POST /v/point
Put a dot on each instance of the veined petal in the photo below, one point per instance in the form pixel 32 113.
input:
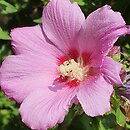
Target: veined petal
pixel 32 40
pixel 111 70
pixel 128 29
pixel 62 21
pixel 22 74
pixel 44 108
pixel 94 96
pixel 100 31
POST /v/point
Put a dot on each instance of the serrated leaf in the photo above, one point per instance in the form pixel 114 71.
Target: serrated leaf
pixel 7 8
pixel 4 35
pixel 120 117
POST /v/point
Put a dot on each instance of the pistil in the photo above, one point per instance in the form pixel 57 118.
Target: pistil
pixel 72 69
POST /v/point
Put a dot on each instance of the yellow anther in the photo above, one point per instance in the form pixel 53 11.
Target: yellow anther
pixel 72 69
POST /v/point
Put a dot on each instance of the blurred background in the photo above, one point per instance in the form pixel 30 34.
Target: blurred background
pixel 20 13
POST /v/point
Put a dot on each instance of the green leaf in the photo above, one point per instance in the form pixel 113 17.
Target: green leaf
pixel 7 8
pixel 120 117
pixel 80 2
pixel 128 126
pixel 115 101
pixel 54 128
pixel 44 1
pixel 4 35
pixel 4 52
pixel 116 57
pixel 38 21
pixel 101 126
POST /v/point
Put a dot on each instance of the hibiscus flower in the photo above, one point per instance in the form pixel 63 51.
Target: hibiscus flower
pixel 63 61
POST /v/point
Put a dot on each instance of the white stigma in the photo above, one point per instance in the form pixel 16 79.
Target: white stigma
pixel 71 69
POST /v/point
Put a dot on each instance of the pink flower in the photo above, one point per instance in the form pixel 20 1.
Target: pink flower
pixel 63 61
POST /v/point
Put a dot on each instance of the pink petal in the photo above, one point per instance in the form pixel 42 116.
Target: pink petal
pixel 44 108
pixel 100 31
pixel 22 74
pixel 111 70
pixel 128 29
pixel 62 21
pixel 94 96
pixel 32 40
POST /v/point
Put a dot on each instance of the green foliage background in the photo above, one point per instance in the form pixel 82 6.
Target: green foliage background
pixel 19 13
